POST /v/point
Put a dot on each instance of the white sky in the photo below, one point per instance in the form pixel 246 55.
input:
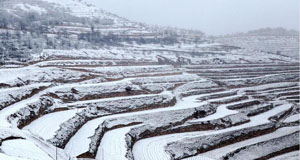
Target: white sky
pixel 211 16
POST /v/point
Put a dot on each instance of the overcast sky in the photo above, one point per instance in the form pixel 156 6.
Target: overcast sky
pixel 211 16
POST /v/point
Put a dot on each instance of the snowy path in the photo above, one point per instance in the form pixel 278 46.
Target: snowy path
pixel 79 143
pixel 7 157
pixel 10 74
pixel 113 145
pixel 153 148
pixel 46 125
pixel 292 118
pixel 24 149
pixel 50 149
pixel 142 153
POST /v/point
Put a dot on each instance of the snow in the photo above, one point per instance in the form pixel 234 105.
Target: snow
pixel 246 69
pixel 222 111
pixel 113 145
pixel 24 148
pixel 168 79
pixel 79 143
pixel 132 71
pixel 220 152
pixel 199 158
pixel 46 125
pixel 146 153
pixel 263 79
pixel 223 94
pixel 7 157
pixel 144 55
pixel 86 63
pixel 35 74
pixel 52 151
pixel 292 118
pixel 290 156
pixel 287 44
pixel 95 110
pixel 82 9
pixel 16 107
pixel 12 74
pixel 258 150
pixel 237 65
pixel 68 86
pixel 103 53
pixel 228 99
pixel 270 86
pixel 12 95
pixel 67 74
pixel 119 69
pixel 201 84
pixel 87 102
pixel 30 8
pixel 263 117
pixel 153 148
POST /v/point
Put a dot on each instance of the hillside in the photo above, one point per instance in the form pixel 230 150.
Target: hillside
pixel 79 83
pixel 28 27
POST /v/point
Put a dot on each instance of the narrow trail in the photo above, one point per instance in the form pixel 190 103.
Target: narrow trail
pixel 53 120
pixel 113 145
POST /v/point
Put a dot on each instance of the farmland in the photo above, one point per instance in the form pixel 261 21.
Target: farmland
pixel 88 108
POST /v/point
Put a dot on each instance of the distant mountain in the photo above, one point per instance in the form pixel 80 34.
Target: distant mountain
pixel 275 40
pixel 273 32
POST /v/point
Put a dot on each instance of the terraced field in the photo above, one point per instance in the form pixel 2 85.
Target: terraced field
pixel 113 109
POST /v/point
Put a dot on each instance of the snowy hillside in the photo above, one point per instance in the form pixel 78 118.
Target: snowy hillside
pixel 73 7
pixel 28 27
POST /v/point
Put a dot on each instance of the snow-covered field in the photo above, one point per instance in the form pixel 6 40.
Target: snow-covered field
pixel 147 112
